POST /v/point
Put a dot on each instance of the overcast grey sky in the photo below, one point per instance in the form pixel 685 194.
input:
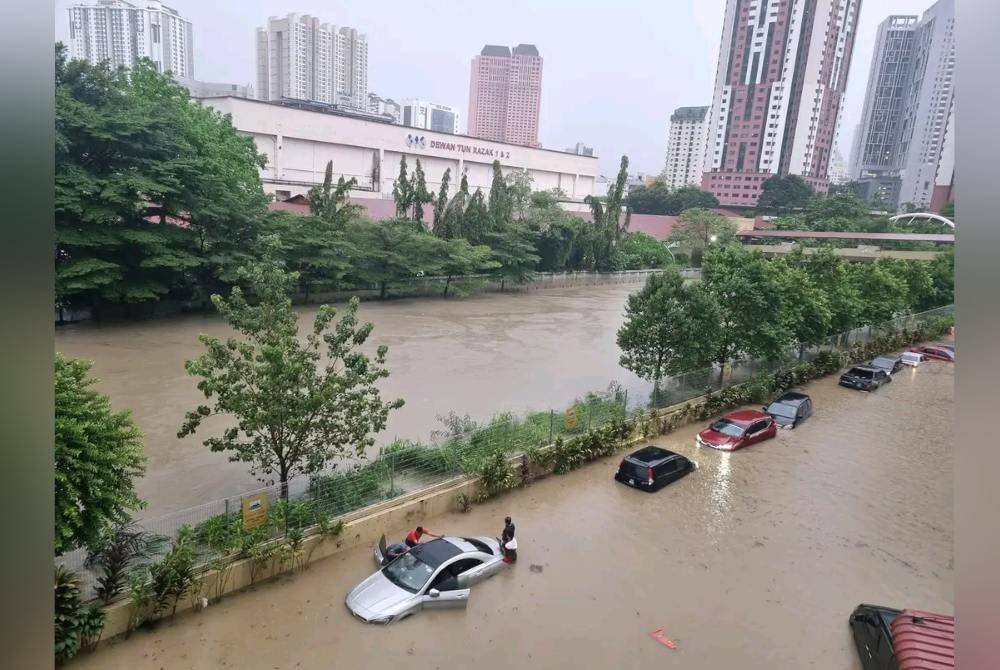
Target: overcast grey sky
pixel 612 74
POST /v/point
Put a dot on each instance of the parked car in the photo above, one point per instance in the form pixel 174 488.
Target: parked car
pixel 652 468
pixel 865 378
pixel 945 345
pixel 911 358
pixel 737 430
pixel 790 409
pixel 892 639
pixel 936 352
pixel 434 574
pixel 890 364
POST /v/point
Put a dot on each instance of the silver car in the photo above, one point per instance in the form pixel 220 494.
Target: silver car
pixel 432 574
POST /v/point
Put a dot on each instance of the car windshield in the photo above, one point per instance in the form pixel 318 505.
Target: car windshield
pixel 861 372
pixel 408 572
pixel 782 410
pixel 727 427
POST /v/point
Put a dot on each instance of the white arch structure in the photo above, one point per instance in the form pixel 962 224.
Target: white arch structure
pixel 923 215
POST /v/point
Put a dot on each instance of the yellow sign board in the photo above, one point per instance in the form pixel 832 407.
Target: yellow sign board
pixel 569 419
pixel 255 511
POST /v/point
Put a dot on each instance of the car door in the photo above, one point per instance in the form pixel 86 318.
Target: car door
pixel 443 590
pixel 756 432
pixel 483 569
pixel 882 378
pixel 666 472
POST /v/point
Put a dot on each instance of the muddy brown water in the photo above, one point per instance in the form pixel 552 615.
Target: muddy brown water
pixel 754 561
pixel 479 355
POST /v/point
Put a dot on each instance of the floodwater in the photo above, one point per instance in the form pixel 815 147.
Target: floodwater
pixel 478 355
pixel 754 561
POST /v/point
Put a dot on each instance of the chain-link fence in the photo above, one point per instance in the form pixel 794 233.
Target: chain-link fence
pixel 405 466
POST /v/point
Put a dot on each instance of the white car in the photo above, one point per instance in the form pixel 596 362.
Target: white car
pixel 912 358
pixel 432 574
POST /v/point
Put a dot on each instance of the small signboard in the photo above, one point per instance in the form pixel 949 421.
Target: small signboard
pixel 569 419
pixel 255 510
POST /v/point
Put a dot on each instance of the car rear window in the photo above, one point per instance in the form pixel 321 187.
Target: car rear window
pixel 782 410
pixel 883 362
pixel 633 469
pixel 861 372
pixel 479 545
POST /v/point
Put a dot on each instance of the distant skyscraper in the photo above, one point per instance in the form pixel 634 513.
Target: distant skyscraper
pixel 430 116
pixel 685 147
pixel 379 105
pixel 907 120
pixel 779 87
pixel 301 57
pixel 124 32
pixel 580 149
pixel 837 172
pixel 505 94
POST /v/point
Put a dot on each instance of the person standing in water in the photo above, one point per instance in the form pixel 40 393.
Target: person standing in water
pixel 508 543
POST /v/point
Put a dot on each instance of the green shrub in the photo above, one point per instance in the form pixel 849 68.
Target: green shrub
pixel 76 625
pixel 496 474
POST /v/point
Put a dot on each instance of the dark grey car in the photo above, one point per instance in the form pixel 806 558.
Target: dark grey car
pixel 890 364
pixel 790 409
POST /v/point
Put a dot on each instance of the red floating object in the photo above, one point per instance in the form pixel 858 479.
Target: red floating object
pixel 663 639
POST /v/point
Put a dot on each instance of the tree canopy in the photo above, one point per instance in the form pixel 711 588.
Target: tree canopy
pixel 782 193
pixel 658 198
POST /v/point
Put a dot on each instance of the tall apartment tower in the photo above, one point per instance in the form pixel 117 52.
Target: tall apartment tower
pixel 685 147
pixel 124 32
pixel 430 116
pixel 505 94
pixel 907 119
pixel 779 88
pixel 301 57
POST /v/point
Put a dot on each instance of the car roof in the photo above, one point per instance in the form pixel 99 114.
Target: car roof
pixel 863 367
pixel 437 551
pixel 745 416
pixel 651 454
pixel 886 357
pixel 792 397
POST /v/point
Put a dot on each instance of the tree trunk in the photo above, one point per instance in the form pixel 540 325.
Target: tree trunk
pixel 722 371
pixel 306 285
pixel 502 280
pixel 447 283
pixel 381 293
pixel 284 483
pixel 802 350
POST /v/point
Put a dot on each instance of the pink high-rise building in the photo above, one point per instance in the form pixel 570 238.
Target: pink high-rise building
pixel 505 94
pixel 779 88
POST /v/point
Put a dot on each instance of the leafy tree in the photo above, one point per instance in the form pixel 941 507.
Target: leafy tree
pixel 500 204
pixel 748 293
pixel 402 191
pixel 607 225
pixel 830 274
pixel 318 250
pixel 296 406
pixel 518 187
pixel 784 192
pixel 391 251
pixel 461 258
pixel 805 309
pixel 421 195
pixel 669 328
pixel 477 224
pixel 916 276
pixel 514 251
pixel 451 224
pixel 441 202
pixel 885 294
pixel 657 198
pixel 698 228
pixel 98 457
pixel 331 203
pixel 948 211
pixel 942 271
pixel 639 250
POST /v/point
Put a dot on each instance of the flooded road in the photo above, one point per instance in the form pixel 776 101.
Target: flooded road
pixel 478 355
pixel 754 561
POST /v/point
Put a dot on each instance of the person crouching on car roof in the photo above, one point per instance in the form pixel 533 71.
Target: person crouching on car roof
pixel 394 551
pixel 413 537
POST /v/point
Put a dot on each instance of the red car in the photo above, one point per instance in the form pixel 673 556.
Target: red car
pixel 737 430
pixel 935 352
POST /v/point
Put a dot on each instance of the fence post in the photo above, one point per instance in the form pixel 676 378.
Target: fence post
pixel 227 523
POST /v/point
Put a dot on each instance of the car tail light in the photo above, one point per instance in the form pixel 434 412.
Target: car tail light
pixel 649 474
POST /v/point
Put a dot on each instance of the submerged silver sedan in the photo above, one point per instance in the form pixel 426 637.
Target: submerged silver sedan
pixel 433 574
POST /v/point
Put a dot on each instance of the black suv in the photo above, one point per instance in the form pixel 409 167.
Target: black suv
pixel 865 378
pixel 790 409
pixel 652 468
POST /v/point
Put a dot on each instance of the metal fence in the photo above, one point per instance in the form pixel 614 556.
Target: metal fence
pixel 406 466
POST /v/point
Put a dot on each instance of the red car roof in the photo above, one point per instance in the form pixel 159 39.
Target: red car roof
pixel 745 416
pixel 924 640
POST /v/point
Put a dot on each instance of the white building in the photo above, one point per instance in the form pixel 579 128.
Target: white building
pixel 302 58
pixel 298 143
pixel 215 89
pixel 124 32
pixel 685 147
pixel 838 173
pixel 580 148
pixel 430 116
pixel 385 106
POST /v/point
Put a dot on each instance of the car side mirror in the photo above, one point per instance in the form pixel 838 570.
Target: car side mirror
pixel 433 593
